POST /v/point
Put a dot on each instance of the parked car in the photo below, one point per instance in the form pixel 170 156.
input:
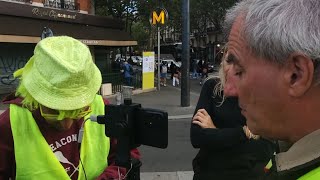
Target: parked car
pixel 168 62
pixel 137 60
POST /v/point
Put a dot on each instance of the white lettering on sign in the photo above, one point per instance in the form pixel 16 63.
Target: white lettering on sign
pixel 52 14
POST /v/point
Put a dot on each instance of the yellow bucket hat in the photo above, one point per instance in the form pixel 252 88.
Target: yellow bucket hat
pixel 61 74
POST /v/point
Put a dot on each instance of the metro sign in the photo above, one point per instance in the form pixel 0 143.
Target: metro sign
pixel 159 17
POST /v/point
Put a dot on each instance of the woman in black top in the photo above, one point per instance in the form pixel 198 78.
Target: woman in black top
pixel 228 150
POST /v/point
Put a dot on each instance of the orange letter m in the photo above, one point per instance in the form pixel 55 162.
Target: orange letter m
pixel 156 18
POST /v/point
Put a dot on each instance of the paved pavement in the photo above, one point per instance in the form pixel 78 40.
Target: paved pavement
pixel 167 99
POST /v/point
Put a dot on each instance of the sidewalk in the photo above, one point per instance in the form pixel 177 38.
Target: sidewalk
pixel 167 99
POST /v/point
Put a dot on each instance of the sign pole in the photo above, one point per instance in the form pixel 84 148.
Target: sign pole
pixel 185 82
pixel 159 17
pixel 158 58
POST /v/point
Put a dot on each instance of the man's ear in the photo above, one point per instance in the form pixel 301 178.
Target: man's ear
pixel 299 72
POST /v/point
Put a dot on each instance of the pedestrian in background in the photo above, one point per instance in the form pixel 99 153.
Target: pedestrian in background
pixel 204 71
pixel 173 68
pixel 195 69
pixel 163 75
pixel 228 150
pixel 176 77
pixel 46 133
pixel 128 72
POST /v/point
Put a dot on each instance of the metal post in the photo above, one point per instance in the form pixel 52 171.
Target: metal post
pixel 185 81
pixel 158 58
pixel 214 53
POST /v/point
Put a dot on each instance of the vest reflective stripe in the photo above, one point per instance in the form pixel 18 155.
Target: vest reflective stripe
pixel 35 159
pixel 312 175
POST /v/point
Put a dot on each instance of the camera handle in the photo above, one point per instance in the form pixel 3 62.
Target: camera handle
pixel 134 172
pixel 121 128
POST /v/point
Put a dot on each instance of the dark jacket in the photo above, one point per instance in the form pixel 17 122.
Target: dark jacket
pixel 225 152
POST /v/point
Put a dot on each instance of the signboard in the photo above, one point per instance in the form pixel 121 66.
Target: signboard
pixel 148 70
pixel 159 17
pixel 148 62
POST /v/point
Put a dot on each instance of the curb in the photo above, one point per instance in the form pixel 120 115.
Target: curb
pixel 134 92
pixel 179 175
pixel 186 116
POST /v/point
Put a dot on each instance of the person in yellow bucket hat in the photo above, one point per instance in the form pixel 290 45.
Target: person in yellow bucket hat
pixel 40 130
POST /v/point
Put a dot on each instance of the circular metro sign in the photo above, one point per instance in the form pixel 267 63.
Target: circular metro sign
pixel 159 17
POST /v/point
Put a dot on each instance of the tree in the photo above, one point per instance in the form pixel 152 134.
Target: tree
pixel 121 9
pixel 174 10
pixel 141 34
pixel 136 14
pixel 205 12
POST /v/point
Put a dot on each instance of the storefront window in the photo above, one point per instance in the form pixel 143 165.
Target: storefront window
pixel 61 4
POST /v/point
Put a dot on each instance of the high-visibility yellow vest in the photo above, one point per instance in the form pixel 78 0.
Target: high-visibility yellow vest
pixel 312 175
pixel 34 158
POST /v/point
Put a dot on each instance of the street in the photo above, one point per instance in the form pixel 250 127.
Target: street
pixel 179 154
pixel 177 157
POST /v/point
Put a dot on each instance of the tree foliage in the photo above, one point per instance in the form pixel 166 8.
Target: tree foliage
pixel 136 14
pixel 141 34
pixel 205 12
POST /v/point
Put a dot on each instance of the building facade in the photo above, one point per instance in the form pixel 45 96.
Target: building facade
pixel 23 22
pixel 208 44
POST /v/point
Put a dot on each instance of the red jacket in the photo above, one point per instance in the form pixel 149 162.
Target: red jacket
pixel 63 141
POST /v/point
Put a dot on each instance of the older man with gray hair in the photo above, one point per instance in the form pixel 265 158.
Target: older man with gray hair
pixel 274 49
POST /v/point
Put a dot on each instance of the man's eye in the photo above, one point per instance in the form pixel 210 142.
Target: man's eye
pixel 238 73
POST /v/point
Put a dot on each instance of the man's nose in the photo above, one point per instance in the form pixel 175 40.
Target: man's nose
pixel 230 87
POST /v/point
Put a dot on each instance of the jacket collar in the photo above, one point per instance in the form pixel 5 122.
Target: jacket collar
pixel 301 154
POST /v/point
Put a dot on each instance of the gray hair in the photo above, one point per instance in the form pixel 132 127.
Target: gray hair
pixel 274 29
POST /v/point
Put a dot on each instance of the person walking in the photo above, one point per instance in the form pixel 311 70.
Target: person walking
pixel 128 72
pixel 163 75
pixel 173 68
pixel 195 69
pixel 204 71
pixel 176 77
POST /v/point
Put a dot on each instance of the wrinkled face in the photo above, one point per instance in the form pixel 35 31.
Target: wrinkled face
pixel 259 86
pixel 229 88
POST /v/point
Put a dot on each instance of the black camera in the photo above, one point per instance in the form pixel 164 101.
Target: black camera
pixel 133 126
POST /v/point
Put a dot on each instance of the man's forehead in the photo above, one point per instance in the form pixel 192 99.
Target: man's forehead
pixel 236 41
pixel 237 27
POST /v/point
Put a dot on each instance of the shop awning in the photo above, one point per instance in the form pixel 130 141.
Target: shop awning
pixel 24 29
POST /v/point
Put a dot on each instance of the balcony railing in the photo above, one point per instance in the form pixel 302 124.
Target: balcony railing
pixel 118 81
pixel 22 1
pixel 62 4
